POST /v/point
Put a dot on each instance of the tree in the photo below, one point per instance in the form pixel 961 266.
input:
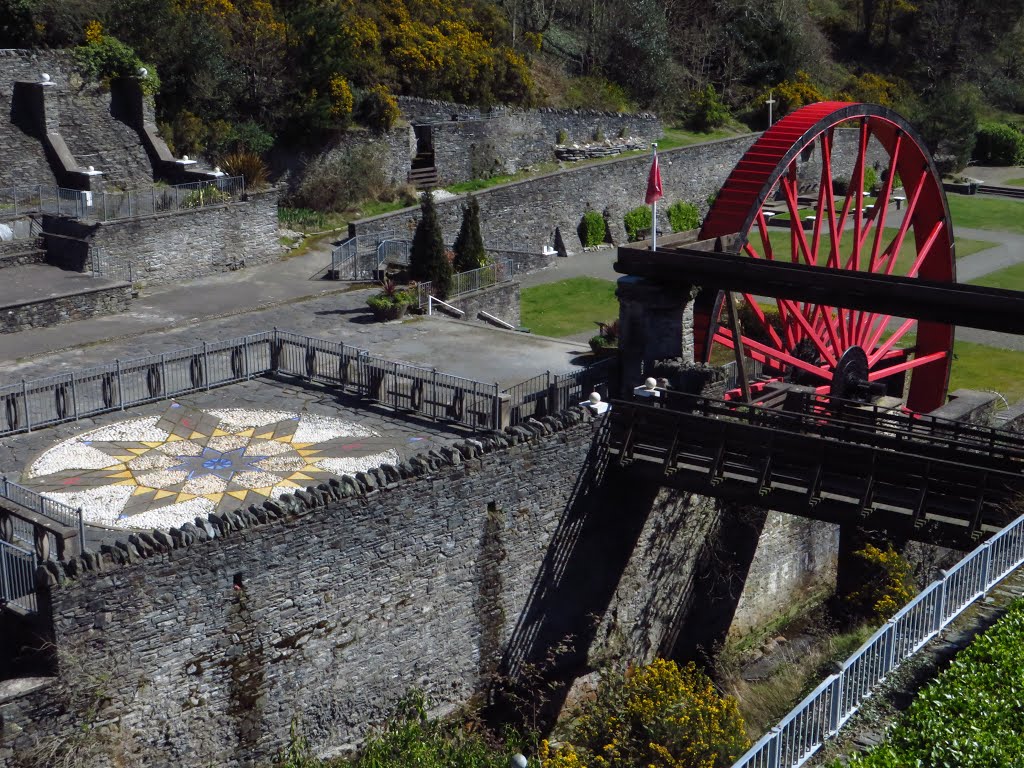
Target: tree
pixel 469 245
pixel 428 260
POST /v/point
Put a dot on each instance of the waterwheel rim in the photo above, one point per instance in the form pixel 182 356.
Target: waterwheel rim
pixel 917 241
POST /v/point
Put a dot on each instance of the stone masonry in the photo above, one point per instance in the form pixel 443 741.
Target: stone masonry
pixel 326 606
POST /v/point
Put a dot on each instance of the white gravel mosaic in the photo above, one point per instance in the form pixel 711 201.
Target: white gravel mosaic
pixel 136 474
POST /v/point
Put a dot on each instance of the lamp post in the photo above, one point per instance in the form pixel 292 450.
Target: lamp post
pixel 771 102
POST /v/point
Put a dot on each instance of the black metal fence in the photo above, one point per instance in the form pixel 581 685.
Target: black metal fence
pixel 549 393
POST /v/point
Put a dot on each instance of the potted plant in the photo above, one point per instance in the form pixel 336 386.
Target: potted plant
pixel 606 342
pixel 391 303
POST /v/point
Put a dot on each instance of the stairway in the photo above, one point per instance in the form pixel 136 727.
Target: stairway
pixel 17 253
pixel 423 176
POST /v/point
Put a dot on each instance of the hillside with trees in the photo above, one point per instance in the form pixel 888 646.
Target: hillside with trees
pixel 246 74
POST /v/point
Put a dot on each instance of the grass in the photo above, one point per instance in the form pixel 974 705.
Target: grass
pixel 763 702
pixel 964 246
pixel 569 306
pixel 1011 278
pixel 983 212
pixel 1014 183
pixel 976 366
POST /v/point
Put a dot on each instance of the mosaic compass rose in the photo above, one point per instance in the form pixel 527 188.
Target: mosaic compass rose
pixel 160 471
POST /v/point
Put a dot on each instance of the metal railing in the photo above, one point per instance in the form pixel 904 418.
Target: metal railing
pixel 75 395
pixel 360 257
pixel 54 511
pixel 471 280
pixel 548 393
pixel 112 269
pixel 18 577
pixel 113 206
pixel 827 708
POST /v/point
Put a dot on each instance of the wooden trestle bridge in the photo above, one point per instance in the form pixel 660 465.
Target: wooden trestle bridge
pixel 933 480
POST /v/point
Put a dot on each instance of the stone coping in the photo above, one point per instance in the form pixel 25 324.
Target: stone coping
pixel 145 544
pixel 108 285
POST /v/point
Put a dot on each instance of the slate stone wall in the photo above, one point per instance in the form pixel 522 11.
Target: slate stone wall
pixel 54 310
pixel 93 136
pixel 200 646
pixel 501 301
pixel 525 214
pixel 172 247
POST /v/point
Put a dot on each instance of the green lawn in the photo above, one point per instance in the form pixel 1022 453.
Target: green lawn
pixel 984 212
pixel 977 366
pixel 569 306
pixel 964 246
pixel 1011 278
pixel 1014 183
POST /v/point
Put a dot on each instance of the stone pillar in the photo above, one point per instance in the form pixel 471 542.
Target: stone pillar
pixel 655 323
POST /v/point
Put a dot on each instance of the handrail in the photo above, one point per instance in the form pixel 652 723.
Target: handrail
pixel 55 511
pixel 801 733
pixel 18 577
pixel 497 320
pixel 431 300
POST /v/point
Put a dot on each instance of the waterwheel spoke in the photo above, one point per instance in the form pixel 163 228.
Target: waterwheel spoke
pixel 915 362
pixel 767 354
pixel 883 350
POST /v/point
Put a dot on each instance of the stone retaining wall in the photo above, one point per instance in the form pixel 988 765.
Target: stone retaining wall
pixel 326 606
pixel 172 247
pixel 501 301
pixel 54 310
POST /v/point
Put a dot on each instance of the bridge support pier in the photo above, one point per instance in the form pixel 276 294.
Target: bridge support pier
pixel 655 323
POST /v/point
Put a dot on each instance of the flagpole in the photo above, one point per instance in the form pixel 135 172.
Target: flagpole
pixel 654 214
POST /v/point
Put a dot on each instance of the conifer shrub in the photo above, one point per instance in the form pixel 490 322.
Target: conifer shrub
pixel 428 260
pixel 469 244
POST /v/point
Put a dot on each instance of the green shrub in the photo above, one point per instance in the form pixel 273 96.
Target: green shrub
pixel 106 58
pixel 705 111
pixel 887 583
pixel 637 221
pixel 597 93
pixel 751 325
pixel 970 715
pixel 208 195
pixel 377 108
pixel 469 244
pixel 428 259
pixel 563 137
pixel 302 219
pixel 870 179
pixel 683 216
pixel 248 165
pixel 999 144
pixel 591 229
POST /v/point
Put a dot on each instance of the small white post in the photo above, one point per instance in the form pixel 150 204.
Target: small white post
pixel 771 102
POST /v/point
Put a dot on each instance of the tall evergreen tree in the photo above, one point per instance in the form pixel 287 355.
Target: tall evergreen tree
pixel 469 245
pixel 427 260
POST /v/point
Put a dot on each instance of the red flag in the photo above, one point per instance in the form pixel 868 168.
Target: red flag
pixel 653 183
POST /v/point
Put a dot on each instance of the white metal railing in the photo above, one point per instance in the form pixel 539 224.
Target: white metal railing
pixel 432 300
pixel 496 320
pixel 827 708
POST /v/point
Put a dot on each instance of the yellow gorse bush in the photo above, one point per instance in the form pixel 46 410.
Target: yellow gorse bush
pixel 659 716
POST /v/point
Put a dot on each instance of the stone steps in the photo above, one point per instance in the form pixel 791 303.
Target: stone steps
pixel 16 253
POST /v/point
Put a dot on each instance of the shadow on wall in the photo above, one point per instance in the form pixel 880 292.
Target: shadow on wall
pixel 668 566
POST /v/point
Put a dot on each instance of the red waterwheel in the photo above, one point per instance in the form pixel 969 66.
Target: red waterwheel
pixel 806 341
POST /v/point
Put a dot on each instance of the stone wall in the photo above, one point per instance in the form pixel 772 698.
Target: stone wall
pixel 525 214
pixel 524 262
pixel 83 115
pixel 54 310
pixel 327 606
pixel 501 301
pixel 172 247
pixel 796 560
